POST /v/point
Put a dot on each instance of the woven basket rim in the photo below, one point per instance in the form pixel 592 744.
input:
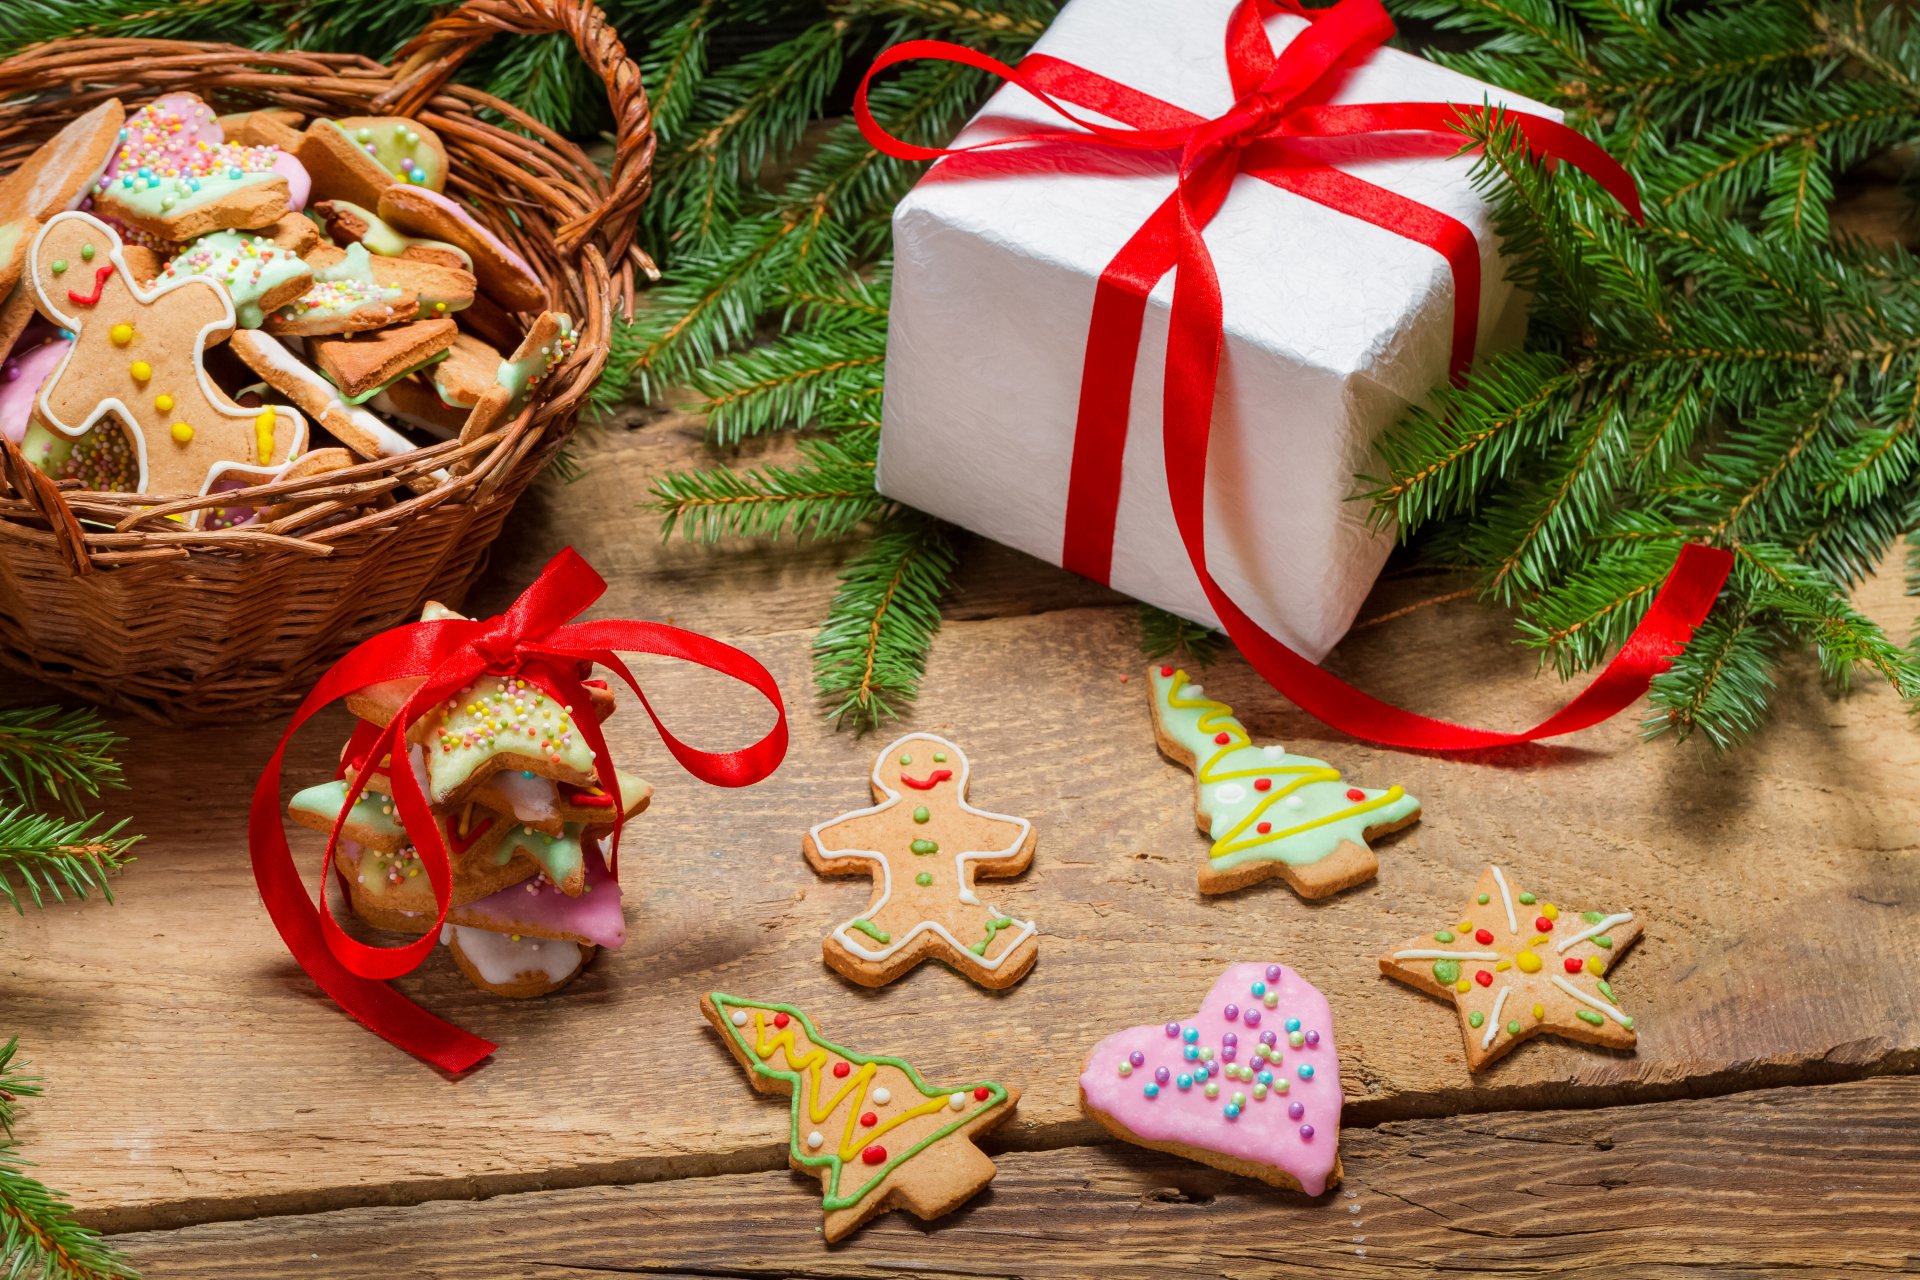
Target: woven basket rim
pixel 574 223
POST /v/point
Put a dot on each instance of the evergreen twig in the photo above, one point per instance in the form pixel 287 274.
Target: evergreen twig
pixel 42 857
pixel 872 651
pixel 61 755
pixel 1168 635
pixel 38 1235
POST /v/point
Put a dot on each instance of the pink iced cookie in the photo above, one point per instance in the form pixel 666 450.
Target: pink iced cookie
pixel 20 380
pixel 174 129
pixel 1251 1084
pixel 504 275
pixel 539 910
pixel 177 135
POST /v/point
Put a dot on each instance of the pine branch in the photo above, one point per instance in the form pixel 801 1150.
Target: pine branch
pixel 63 756
pixel 48 857
pixel 827 496
pixel 1168 635
pixel 872 651
pixel 38 1234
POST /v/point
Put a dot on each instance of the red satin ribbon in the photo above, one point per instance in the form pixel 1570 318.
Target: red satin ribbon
pixel 533 640
pixel 1277 107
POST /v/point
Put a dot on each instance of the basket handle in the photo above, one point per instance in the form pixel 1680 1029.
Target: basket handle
pixel 38 488
pixel 426 62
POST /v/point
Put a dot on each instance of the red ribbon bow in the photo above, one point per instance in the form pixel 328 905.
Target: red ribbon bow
pixel 1277 105
pixel 533 640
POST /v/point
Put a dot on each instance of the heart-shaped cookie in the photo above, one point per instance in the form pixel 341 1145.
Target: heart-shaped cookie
pixel 1250 1084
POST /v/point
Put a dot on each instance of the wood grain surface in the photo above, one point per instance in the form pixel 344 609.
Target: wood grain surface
pixel 197 1076
pixel 204 1097
pixel 1816 1181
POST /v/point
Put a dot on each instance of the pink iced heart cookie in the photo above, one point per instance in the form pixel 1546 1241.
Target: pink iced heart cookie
pixel 1250 1084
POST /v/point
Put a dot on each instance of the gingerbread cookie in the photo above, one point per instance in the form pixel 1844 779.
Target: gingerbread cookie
pixel 519 968
pixel 357 158
pixel 356 428
pixel 923 844
pixel 1269 813
pixel 175 177
pixel 345 298
pixel 268 127
pixel 138 357
pixel 413 401
pixel 27 367
pixel 876 1135
pixel 349 223
pixel 59 173
pixel 547 344
pixel 1516 967
pixel 1250 1084
pixel 509 278
pixel 257 274
pixel 361 365
pixel 54 178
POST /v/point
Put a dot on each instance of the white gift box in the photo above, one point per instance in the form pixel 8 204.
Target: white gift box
pixel 1332 327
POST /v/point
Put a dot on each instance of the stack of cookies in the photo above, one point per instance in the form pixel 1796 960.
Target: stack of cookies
pixel 514 792
pixel 195 303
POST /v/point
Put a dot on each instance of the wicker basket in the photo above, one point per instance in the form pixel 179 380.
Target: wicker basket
pixel 103 595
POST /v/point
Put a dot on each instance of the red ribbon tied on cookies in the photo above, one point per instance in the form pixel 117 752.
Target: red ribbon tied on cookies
pixel 1278 107
pixel 534 640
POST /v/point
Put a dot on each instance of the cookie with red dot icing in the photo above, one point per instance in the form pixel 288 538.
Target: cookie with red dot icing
pixel 876 1134
pixel 1269 813
pixel 1249 1084
pixel 1515 966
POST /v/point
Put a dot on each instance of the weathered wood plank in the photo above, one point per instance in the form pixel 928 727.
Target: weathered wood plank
pixel 1813 1181
pixel 196 1074
pixel 1781 885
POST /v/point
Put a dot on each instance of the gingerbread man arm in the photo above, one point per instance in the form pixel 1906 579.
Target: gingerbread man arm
pixel 848 844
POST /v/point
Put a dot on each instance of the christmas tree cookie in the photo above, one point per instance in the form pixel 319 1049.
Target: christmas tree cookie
pixel 1516 967
pixel 923 844
pixel 1269 813
pixel 876 1135
pixel 1250 1084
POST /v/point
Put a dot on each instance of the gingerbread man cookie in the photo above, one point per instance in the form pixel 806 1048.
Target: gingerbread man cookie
pixel 875 1133
pixel 1269 813
pixel 138 355
pixel 1516 967
pixel 924 844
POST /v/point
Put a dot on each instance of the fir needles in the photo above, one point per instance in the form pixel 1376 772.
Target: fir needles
pixel 1732 372
pixel 38 1235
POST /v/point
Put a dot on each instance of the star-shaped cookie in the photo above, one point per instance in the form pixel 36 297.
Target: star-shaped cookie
pixel 1516 967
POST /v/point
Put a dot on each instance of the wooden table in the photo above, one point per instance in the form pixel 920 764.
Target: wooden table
pixel 205 1099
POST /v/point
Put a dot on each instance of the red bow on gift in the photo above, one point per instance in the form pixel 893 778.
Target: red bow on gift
pixel 1277 103
pixel 535 641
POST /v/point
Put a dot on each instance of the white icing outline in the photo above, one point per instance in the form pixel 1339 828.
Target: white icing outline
pixel 841 932
pixel 1584 998
pixel 274 352
pixel 1493 1019
pixel 258 473
pixel 1611 922
pixel 1446 955
pixel 1513 923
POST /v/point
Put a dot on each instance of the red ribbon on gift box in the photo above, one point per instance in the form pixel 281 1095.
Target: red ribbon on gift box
pixel 1277 102
pixel 533 640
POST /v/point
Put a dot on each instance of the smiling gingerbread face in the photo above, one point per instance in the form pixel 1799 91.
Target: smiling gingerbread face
pixel 923 766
